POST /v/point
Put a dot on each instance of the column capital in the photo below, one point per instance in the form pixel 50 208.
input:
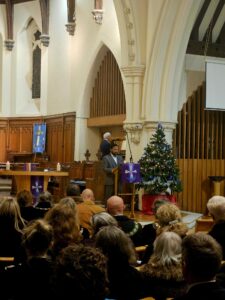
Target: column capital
pixel 134 129
pixel 133 71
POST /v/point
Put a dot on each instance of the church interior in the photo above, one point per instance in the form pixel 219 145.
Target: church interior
pixel 87 67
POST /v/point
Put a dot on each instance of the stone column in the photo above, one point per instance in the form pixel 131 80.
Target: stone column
pixel 133 77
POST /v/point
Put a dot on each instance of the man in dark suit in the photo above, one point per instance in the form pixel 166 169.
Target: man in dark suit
pixel 202 257
pixel 105 144
pixel 111 162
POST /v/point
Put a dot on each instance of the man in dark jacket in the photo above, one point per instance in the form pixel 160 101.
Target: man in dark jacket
pixel 105 144
pixel 202 257
pixel 111 163
pixel 115 207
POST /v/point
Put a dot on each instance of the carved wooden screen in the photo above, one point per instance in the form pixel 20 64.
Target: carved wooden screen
pixel 199 143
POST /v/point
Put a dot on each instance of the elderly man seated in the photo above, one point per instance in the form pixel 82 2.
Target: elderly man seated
pixel 115 207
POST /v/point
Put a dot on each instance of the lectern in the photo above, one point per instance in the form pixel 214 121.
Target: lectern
pixel 130 173
pixel 216 180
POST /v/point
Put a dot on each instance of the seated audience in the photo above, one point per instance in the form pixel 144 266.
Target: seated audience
pixel 125 281
pixel 168 218
pixel 87 209
pixel 202 257
pixel 72 204
pixel 66 230
pixel 31 279
pixel 216 208
pixel 81 273
pixel 73 191
pixel 149 230
pixel 164 269
pixel 44 203
pixel 115 207
pixel 25 200
pixel 98 221
pixel 11 229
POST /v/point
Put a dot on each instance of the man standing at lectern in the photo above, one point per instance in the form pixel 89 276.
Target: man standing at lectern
pixel 111 162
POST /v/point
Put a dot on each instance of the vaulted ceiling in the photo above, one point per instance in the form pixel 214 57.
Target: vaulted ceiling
pixel 208 33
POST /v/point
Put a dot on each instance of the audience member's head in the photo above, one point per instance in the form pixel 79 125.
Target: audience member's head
pixel 37 238
pixel 102 219
pixel 73 189
pixel 69 201
pixel 202 257
pixel 64 221
pixel 157 203
pixel 10 215
pixel 88 194
pixel 167 248
pixel 45 197
pixel 81 271
pixel 24 198
pixel 169 219
pixel 168 213
pixel 116 245
pixel 216 208
pixel 115 205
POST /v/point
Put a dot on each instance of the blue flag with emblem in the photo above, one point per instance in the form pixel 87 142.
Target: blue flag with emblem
pixel 39 138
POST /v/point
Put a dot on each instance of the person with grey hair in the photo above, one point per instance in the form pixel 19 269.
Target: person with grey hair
pixel 102 219
pixel 105 144
pixel 216 208
pixel 163 272
pixel 202 257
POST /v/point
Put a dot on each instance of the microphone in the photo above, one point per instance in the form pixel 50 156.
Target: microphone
pixel 131 157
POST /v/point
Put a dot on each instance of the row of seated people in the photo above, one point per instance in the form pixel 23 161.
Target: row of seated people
pixel 52 251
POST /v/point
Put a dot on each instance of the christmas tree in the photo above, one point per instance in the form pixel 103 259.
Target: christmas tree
pixel 159 172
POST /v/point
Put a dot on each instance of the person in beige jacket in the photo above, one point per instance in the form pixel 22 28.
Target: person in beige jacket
pixel 87 209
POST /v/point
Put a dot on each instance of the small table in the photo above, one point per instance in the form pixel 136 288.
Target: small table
pixel 216 180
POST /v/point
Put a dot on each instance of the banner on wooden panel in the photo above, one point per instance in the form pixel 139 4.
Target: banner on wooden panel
pixel 39 138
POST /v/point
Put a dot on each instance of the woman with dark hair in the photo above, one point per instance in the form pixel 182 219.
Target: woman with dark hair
pixel 11 229
pixel 125 281
pixel 81 273
pixel 25 201
pixel 36 271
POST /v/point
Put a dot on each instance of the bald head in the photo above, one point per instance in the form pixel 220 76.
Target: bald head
pixel 115 205
pixel 88 194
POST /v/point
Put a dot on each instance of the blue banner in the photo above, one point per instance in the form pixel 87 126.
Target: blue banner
pixel 39 138
pixel 130 173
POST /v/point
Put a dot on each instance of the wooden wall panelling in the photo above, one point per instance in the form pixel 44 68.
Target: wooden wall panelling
pixel 55 139
pixel 197 187
pixel 3 140
pixel 69 138
pixel 16 135
pixel 20 134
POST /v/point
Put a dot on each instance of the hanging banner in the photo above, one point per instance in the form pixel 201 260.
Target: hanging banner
pixel 130 173
pixel 39 138
pixel 37 185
